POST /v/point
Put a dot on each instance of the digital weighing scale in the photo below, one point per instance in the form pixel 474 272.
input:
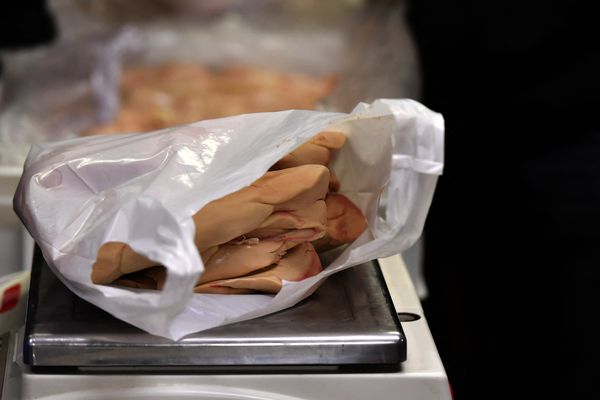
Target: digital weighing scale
pixel 345 341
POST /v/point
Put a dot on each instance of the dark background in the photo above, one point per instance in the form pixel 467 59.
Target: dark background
pixel 25 23
pixel 511 242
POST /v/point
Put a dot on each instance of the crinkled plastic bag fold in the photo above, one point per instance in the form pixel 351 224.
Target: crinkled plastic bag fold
pixel 142 189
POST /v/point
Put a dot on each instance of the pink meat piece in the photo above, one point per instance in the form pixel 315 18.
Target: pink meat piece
pixel 232 260
pixel 314 216
pixel 319 150
pixel 245 210
pixel 345 222
pixel 229 217
pixel 298 264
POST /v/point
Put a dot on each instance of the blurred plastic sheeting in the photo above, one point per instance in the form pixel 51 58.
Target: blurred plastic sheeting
pixel 57 91
pixel 381 58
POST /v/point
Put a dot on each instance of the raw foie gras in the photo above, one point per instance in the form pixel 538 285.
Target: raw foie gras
pixel 312 217
pixel 345 222
pixel 251 239
pixel 299 263
pixel 252 252
pixel 115 259
pixel 161 96
pixel 318 150
pixel 228 218
pixel 230 260
pixel 238 213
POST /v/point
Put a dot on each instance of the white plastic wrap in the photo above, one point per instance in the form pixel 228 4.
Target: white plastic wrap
pixel 142 189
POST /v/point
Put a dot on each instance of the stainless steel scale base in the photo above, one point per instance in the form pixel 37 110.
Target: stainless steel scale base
pixel 421 376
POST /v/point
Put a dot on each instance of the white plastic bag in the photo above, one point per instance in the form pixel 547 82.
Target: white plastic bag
pixel 142 189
